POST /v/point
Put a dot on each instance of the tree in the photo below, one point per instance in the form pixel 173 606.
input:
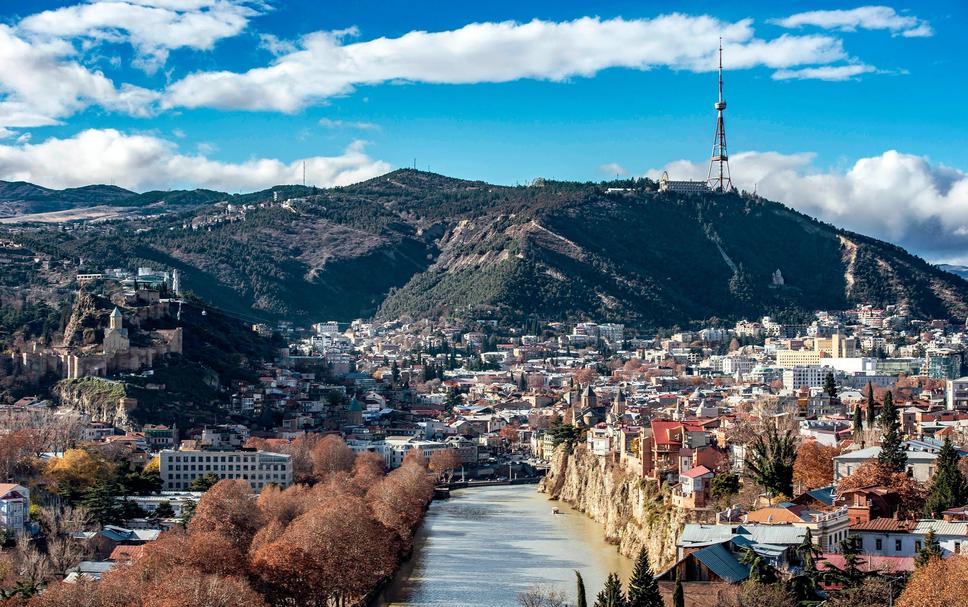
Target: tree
pixel 643 589
pixel 910 492
pixel 611 594
pixel 939 583
pixel 830 385
pixel 76 471
pixel 102 503
pixel 760 570
pixel 203 483
pixel 770 458
pixel 724 485
pixel 443 462
pixel 581 599
pixel 227 509
pixel 931 549
pixel 851 574
pixel 892 452
pixel 331 455
pixel 948 485
pixel 164 510
pixel 539 596
pixel 804 585
pixel 678 597
pixel 814 466
pixel 858 422
pixel 871 406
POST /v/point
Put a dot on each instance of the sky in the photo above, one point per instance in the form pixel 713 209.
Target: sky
pixel 851 113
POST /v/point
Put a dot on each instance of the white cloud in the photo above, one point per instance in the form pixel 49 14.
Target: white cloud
pixel 40 83
pixel 330 123
pixel 326 65
pixel 141 162
pixel 894 196
pixel 864 17
pixel 276 45
pixel 613 169
pixel 832 73
pixel 152 27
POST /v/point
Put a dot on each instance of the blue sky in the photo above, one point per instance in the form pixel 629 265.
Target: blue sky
pixel 852 113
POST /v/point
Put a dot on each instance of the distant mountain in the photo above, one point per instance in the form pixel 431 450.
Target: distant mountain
pixel 959 270
pixel 418 244
pixel 20 197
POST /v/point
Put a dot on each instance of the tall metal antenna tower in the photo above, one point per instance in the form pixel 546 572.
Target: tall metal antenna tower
pixel 718 176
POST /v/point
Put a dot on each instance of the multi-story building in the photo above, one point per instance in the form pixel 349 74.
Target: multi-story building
pixel 956 394
pixel 14 507
pixel 258 468
pixel 942 364
pixel 804 376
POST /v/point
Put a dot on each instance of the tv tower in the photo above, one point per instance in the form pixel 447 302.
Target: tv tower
pixel 718 176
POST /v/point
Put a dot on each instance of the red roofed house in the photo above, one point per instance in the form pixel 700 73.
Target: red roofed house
pixel 693 489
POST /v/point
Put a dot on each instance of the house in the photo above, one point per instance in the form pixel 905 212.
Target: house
pixel 14 507
pixel 693 489
pixel 896 538
pixel 865 504
pixel 920 465
pixel 826 528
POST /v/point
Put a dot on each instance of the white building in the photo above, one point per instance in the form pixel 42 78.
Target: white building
pixel 804 376
pixel 738 365
pixel 956 393
pixel 921 465
pixel 14 507
pixel 258 468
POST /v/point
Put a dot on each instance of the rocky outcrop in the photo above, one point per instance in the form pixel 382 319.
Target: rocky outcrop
pixel 100 399
pixel 635 512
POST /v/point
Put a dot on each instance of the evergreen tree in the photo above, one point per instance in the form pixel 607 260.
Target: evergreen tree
pixel 523 382
pixel 892 443
pixel 948 484
pixel 102 502
pixel 871 406
pixel 930 550
pixel 760 570
pixel 643 589
pixel 850 548
pixel 611 595
pixel 804 585
pixel 678 596
pixel 858 422
pixel 581 600
pixel 769 460
pixel 830 385
pixel 395 373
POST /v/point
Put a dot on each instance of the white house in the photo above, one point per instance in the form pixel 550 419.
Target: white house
pixel 920 464
pixel 14 507
pixel 891 537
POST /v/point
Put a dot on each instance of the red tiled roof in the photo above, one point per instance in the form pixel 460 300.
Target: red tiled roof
pixel 661 431
pixel 869 562
pixel 885 524
pixel 696 472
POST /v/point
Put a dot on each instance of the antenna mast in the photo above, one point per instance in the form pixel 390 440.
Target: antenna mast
pixel 718 178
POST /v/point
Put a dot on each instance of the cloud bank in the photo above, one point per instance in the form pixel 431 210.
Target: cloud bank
pixel 864 17
pixel 142 162
pixel 894 196
pixel 325 64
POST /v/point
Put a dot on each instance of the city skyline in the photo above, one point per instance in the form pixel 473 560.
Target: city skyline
pixel 837 113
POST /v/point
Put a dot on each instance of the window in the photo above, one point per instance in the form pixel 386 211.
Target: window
pixel 917 545
pixel 878 544
pixel 897 545
pixel 957 547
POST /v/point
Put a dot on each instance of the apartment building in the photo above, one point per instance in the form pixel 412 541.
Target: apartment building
pixel 258 468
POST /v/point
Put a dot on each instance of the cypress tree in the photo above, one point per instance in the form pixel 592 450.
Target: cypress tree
pixel 678 596
pixel 830 385
pixel 948 484
pixel 871 416
pixel 643 589
pixel 611 595
pixel 581 600
pixel 858 422
pixel 892 444
pixel 930 550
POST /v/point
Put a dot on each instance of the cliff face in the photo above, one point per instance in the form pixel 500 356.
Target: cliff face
pixel 101 399
pixel 635 512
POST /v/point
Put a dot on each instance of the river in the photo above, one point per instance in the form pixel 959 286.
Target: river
pixel 483 546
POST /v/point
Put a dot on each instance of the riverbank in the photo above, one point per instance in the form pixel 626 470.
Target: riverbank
pixel 633 512
pixel 485 545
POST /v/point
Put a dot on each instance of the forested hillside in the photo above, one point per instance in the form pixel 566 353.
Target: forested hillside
pixel 420 244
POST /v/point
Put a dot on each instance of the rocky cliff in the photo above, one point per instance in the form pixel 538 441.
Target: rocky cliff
pixel 635 512
pixel 102 400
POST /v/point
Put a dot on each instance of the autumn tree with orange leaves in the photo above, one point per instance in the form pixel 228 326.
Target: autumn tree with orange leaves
pixel 814 466
pixel 912 494
pixel 443 462
pixel 938 583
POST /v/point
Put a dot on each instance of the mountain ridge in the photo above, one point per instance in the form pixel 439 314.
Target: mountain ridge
pixel 417 244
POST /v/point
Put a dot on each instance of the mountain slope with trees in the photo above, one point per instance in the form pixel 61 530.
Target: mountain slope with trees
pixel 417 244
